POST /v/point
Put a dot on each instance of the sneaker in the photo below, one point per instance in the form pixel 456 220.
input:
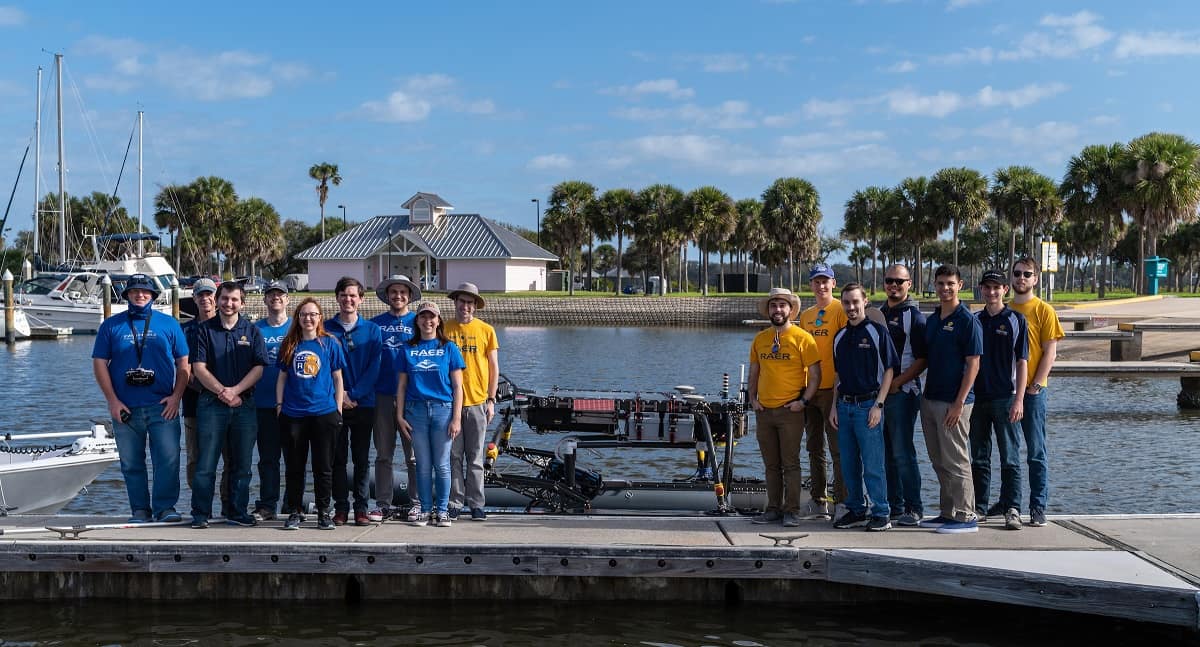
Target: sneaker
pixel 791 520
pixel 770 516
pixel 361 518
pixel 141 516
pixel 936 522
pixel 245 521
pixel 477 514
pixel 909 519
pixel 879 524
pixel 840 511
pixel 957 527
pixel 444 519
pixel 264 514
pixel 293 521
pixel 325 522
pixel 452 513
pixel 996 511
pixel 813 510
pixel 850 520
pixel 1037 517
pixel 412 515
pixel 1012 519
pixel 340 518
pixel 895 515
pixel 378 514
pixel 170 515
pixel 420 519
pixel 199 523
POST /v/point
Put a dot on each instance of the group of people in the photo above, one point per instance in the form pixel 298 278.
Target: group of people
pixel 854 379
pixel 295 385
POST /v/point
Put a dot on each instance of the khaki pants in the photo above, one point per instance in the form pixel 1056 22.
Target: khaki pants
pixel 951 458
pixel 779 434
pixel 821 435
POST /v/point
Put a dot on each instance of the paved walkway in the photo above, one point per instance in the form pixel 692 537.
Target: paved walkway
pixel 1155 345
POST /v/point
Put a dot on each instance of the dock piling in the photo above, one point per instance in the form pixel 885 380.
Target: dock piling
pixel 106 283
pixel 1189 387
pixel 10 310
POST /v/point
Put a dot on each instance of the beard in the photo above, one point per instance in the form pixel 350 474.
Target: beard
pixel 778 319
pixel 1026 290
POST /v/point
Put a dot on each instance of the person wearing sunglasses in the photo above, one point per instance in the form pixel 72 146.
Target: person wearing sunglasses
pixel 1044 332
pixel 785 372
pixel 822 321
pixel 906 323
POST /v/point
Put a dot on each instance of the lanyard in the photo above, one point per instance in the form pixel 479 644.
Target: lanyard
pixel 139 344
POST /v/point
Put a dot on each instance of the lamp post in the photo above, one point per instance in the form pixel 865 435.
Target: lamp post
pixel 538 233
pixel 343 208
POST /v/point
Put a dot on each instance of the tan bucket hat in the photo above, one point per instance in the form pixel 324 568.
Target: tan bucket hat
pixel 780 293
pixel 467 288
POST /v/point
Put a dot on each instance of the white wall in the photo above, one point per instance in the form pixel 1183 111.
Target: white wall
pixel 526 275
pixel 489 275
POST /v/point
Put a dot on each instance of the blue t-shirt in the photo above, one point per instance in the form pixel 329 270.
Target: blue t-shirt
pixel 861 354
pixel 950 342
pixel 428 366
pixel 1005 342
pixel 308 390
pixel 229 354
pixel 362 347
pixel 264 393
pixel 906 323
pixel 396 332
pixel 162 344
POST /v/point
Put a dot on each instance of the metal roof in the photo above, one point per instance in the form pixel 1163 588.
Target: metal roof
pixel 452 237
pixel 434 199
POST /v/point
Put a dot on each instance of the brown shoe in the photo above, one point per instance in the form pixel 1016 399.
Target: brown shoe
pixel 360 519
pixel 339 518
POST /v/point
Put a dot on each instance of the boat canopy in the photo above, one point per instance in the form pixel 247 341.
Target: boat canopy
pixel 126 238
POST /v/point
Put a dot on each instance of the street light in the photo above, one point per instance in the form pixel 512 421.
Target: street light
pixel 538 233
pixel 343 208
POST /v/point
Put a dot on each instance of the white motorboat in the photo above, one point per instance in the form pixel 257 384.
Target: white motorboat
pixel 74 299
pixel 42 479
pixel 20 324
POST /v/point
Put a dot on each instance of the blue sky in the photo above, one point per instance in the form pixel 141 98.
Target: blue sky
pixel 491 104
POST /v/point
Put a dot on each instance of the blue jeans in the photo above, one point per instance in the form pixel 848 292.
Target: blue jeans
pixel 269 451
pixel 430 421
pixel 862 458
pixel 218 426
pixel 986 416
pixel 146 424
pixel 903 475
pixel 1034 426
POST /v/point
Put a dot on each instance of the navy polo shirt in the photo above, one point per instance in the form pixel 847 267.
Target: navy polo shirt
pixel 861 353
pixel 229 354
pixel 362 347
pixel 906 323
pixel 190 395
pixel 950 342
pixel 1005 342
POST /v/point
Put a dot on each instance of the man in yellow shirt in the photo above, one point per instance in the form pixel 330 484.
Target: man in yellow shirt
pixel 785 371
pixel 823 321
pixel 1044 332
pixel 480 351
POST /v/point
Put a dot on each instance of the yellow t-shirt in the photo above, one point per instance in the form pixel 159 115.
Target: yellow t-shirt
pixel 833 320
pixel 475 340
pixel 782 374
pixel 1043 326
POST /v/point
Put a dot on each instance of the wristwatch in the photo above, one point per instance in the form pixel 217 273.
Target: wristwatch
pixel 878 405
pixel 803 401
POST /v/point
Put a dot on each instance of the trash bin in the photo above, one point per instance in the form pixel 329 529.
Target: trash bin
pixel 1156 268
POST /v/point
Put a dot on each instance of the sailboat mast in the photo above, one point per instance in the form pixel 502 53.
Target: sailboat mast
pixel 141 243
pixel 37 167
pixel 62 169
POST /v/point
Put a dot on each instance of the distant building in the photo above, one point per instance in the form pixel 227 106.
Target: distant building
pixel 442 248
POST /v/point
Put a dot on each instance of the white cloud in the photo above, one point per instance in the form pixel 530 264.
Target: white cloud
pixel 418 96
pixel 11 17
pixel 819 108
pixel 1019 98
pixel 1067 37
pixel 1048 134
pixel 399 106
pixel 725 62
pixel 551 162
pixel 983 55
pixel 718 155
pixel 666 87
pixel 901 67
pixel 908 102
pixel 831 139
pixel 726 115
pixel 1157 43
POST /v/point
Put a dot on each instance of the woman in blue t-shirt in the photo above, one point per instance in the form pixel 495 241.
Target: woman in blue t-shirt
pixel 308 397
pixel 429 409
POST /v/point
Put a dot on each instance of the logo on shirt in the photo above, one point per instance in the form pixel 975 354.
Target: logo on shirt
pixel 1002 330
pixel 948 326
pixel 777 356
pixel 426 365
pixel 394 342
pixel 864 343
pixel 306 364
pixel 243 341
pixel 819 332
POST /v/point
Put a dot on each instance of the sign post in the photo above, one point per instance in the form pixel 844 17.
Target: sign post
pixel 1049 266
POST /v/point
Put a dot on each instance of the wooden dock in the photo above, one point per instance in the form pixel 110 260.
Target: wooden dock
pixel 1144 568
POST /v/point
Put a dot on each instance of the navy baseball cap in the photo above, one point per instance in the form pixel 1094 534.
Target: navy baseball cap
pixel 994 276
pixel 820 269
pixel 276 285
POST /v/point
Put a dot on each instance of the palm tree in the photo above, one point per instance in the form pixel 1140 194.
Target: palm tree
pixel 916 217
pixel 255 225
pixel 1023 197
pixel 172 207
pixel 749 235
pixel 866 213
pixel 1092 189
pixel 602 225
pixel 615 207
pixel 325 174
pixel 1164 186
pixel 658 206
pixel 960 196
pixel 568 205
pixel 791 213
pixel 715 218
pixel 215 203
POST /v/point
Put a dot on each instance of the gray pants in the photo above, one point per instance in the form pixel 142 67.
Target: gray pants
pixel 951 458
pixel 385 433
pixel 466 459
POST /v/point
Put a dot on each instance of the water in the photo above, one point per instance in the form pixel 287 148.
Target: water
pixel 1115 446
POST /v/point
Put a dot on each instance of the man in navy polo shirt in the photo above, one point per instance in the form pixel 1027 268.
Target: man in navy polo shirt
pixel 228 360
pixel 906 322
pixel 140 360
pixel 865 360
pixel 955 342
pixel 1003 372
pixel 397 326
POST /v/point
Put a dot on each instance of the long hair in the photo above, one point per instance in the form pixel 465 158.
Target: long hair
pixel 440 335
pixel 288 348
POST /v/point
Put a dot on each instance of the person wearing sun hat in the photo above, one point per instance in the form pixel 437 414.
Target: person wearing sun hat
pixel 397 325
pixel 823 320
pixel 785 372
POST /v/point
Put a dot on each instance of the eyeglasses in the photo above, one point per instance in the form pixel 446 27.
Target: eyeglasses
pixel 1020 273
pixel 894 281
pixel 820 314
pixel 309 315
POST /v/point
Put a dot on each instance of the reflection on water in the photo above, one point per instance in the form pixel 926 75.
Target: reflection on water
pixel 1115 445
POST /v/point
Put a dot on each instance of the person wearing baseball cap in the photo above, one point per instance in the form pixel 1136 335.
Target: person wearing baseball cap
pixel 204 295
pixel 823 320
pixel 785 371
pixel 999 401
pixel 397 326
pixel 273 327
